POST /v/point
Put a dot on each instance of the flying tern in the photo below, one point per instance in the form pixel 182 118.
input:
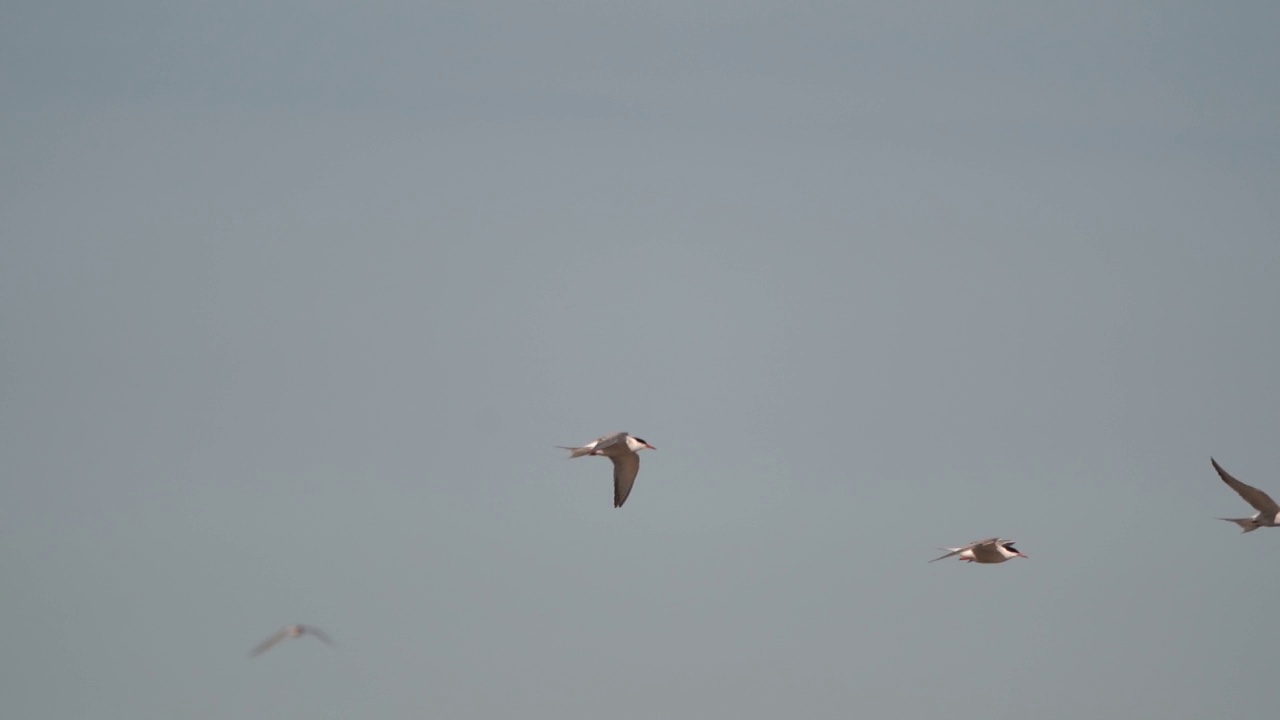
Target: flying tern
pixel 290 631
pixel 989 551
pixel 1268 514
pixel 622 448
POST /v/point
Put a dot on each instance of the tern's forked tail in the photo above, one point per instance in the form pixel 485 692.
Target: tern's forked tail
pixel 576 451
pixel 1246 524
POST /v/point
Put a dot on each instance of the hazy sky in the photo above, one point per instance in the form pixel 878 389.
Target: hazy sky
pixel 296 299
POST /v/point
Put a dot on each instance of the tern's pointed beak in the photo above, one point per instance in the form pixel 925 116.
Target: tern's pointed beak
pixel 650 446
pixel 1022 555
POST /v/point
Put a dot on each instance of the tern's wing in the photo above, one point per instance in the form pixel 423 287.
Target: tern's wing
pixel 956 551
pixel 970 546
pixel 625 469
pixel 987 552
pixel 1260 501
pixel 319 635
pixel 269 643
pixel 599 443
pixel 610 440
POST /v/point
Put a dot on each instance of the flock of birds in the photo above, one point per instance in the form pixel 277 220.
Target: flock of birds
pixel 623 449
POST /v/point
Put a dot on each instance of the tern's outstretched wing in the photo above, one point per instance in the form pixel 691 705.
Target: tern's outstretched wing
pixel 310 630
pixel 269 643
pixel 1260 501
pixel 625 469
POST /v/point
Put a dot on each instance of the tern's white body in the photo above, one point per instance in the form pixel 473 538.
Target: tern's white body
pixel 1268 514
pixel 622 448
pixel 289 632
pixel 985 552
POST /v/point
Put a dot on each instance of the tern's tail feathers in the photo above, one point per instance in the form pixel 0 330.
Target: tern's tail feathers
pixel 1246 524
pixel 576 451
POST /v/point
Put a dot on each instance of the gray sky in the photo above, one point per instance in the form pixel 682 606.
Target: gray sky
pixel 296 299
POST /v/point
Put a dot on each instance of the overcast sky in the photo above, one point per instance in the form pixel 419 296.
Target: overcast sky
pixel 297 298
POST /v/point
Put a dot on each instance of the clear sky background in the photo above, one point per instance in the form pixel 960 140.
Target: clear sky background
pixel 296 299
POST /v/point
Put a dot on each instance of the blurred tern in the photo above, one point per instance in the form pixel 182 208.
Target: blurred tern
pixel 989 551
pixel 290 631
pixel 622 448
pixel 1268 514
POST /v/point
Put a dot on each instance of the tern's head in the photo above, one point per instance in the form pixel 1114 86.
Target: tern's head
pixel 1013 551
pixel 636 444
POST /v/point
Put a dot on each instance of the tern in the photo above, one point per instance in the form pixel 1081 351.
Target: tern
pixel 290 631
pixel 986 552
pixel 1268 514
pixel 622 448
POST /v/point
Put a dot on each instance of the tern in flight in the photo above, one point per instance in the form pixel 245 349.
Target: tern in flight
pixel 622 448
pixel 1268 514
pixel 290 631
pixel 986 552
